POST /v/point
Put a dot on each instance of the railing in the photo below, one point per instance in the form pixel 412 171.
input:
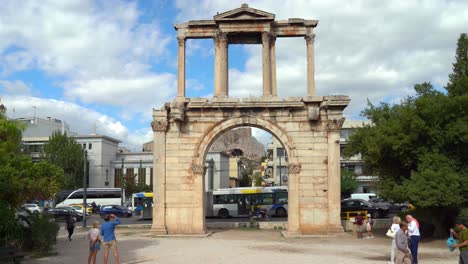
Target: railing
pixel 351 214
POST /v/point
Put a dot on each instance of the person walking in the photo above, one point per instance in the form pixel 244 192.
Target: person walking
pixel 414 237
pixel 70 225
pixel 369 225
pixel 401 240
pixel 108 233
pixel 94 242
pixel 394 228
pixel 462 244
pixel 359 222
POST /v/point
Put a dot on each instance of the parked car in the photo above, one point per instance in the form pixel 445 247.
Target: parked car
pixel 80 208
pixel 394 208
pixel 349 205
pixel 363 196
pixel 116 210
pixel 61 213
pixel 32 208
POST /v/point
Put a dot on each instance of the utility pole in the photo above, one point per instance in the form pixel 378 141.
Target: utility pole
pixel 280 170
pixel 85 155
pixel 121 184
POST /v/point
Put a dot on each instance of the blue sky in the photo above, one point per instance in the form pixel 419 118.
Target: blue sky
pixel 110 62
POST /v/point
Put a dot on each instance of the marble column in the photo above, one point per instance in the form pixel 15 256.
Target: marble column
pixel 310 64
pixel 159 175
pixel 266 64
pixel 221 65
pixel 274 90
pixel 294 226
pixel 334 175
pixel 181 67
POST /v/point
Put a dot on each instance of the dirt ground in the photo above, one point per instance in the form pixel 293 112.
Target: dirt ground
pixel 244 246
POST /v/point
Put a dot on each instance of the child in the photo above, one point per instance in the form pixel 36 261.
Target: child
pixel 370 223
pixel 94 242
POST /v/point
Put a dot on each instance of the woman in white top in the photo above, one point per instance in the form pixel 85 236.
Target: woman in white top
pixel 94 242
pixel 395 227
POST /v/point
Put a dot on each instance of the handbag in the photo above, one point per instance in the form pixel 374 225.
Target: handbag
pixel 390 233
pixel 451 241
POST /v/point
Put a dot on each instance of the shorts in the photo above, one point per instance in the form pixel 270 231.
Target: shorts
pixel 359 228
pixel 110 244
pixel 96 247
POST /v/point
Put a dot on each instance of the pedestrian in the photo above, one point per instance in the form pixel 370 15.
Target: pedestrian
pixel 369 225
pixel 94 242
pixel 401 240
pixel 359 222
pixel 462 244
pixel 394 228
pixel 414 237
pixel 108 233
pixel 70 225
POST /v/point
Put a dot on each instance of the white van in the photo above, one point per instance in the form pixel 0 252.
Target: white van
pixel 363 196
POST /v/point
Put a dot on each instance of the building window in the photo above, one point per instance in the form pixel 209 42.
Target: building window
pixel 365 189
pixel 90 146
pixel 280 152
pixel 117 174
pixel 84 146
pixel 130 173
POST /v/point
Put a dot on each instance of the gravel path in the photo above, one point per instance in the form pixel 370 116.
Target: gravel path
pixel 244 246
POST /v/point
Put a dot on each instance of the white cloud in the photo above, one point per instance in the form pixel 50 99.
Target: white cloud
pixel 15 87
pixel 97 50
pixel 80 119
pixel 362 49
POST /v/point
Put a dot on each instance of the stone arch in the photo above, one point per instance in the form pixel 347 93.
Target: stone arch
pixel 217 129
pixel 222 126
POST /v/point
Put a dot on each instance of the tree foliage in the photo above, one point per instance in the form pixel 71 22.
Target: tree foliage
pixel 348 183
pixel 21 179
pixel 63 151
pixel 419 147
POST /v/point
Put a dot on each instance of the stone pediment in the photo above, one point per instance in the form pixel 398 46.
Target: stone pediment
pixel 244 13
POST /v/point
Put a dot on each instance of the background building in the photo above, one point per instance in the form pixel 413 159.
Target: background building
pixel 217 171
pixel 277 164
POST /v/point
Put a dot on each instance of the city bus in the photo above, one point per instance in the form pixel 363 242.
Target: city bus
pixel 101 196
pixel 142 204
pixel 238 202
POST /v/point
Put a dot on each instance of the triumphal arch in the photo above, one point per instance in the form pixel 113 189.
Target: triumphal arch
pixel 308 127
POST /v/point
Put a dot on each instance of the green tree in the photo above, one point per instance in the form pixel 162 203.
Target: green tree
pixel 130 185
pixel 348 183
pixel 63 151
pixel 419 147
pixel 10 136
pixel 458 80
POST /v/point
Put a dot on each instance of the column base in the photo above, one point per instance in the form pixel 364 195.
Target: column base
pixel 159 231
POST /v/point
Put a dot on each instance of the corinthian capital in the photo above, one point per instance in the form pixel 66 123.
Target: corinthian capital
pixel 220 37
pixel 334 124
pixel 181 41
pixel 159 125
pixel 310 38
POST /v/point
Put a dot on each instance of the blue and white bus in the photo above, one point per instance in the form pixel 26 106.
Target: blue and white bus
pixel 101 196
pixel 238 202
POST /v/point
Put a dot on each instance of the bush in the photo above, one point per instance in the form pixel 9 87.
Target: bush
pixel 10 230
pixel 43 235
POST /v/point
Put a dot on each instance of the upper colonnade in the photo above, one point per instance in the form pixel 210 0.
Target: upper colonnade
pixel 245 25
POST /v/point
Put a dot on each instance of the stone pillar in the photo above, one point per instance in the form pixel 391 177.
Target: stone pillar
pixel 221 65
pixel 181 67
pixel 310 65
pixel 266 64
pixel 274 90
pixel 334 175
pixel 198 214
pixel 159 126
pixel 294 226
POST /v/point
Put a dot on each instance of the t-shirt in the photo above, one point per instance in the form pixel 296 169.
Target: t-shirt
pixel 93 234
pixel 463 236
pixel 413 228
pixel 395 228
pixel 359 220
pixel 107 230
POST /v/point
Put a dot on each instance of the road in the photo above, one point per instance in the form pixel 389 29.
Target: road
pixel 137 221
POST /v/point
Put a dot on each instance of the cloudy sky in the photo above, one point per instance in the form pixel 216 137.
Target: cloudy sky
pixel 110 62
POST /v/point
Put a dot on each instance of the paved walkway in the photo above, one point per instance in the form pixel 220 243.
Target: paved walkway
pixel 244 246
